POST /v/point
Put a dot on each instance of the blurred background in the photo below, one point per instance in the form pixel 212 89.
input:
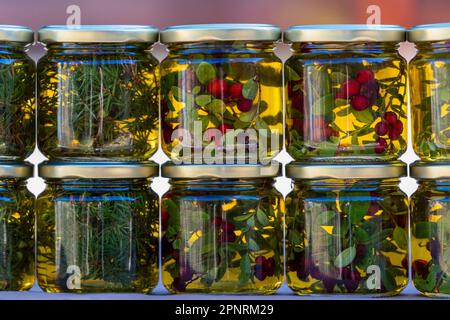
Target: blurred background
pixel 162 13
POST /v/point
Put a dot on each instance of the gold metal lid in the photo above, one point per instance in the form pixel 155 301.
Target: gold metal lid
pixel 18 170
pixel 220 32
pixel 97 170
pixel 429 32
pixel 98 34
pixel 428 171
pixel 21 34
pixel 345 33
pixel 319 171
pixel 226 171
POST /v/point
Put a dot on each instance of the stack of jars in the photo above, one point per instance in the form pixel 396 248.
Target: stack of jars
pixel 347 220
pixel 430 205
pixel 222 122
pixel 97 221
pixel 17 141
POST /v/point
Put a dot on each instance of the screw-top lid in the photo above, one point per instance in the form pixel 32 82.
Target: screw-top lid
pixel 345 33
pixel 429 32
pixel 226 171
pixel 98 34
pixel 220 32
pixel 428 171
pixel 21 34
pixel 97 170
pixel 18 170
pixel 366 171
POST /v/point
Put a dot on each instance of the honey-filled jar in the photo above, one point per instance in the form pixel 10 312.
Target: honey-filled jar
pixel 429 75
pixel 430 229
pixel 17 93
pixel 222 229
pixel 98 93
pixel 16 227
pixel 221 94
pixel 97 228
pixel 345 93
pixel 346 229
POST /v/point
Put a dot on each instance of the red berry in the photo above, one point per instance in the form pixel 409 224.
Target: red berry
pixel 381 146
pixel 269 267
pixel 370 90
pixel 381 128
pixel 227 227
pixel 186 273
pixel 360 102
pixel 297 102
pixel 329 283
pixel 350 88
pixel 298 125
pixel 361 251
pixel 373 208
pixel 218 88
pixel 330 132
pixel 236 90
pixel 224 127
pixel 217 221
pixel 405 262
pixel 228 237
pixel 178 285
pixel 420 267
pixel 259 272
pixel 340 95
pixel 395 130
pixel 260 260
pixel 292 265
pixel 164 218
pixel 401 220
pixel 291 86
pixel 244 105
pixel 390 117
pixel 363 76
pixel 351 279
pixel 315 272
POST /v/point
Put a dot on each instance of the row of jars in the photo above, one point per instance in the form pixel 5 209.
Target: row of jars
pixel 220 90
pixel 225 229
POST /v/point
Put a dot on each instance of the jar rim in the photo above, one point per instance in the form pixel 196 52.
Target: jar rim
pixel 220 32
pixel 17 170
pixel 429 32
pixel 226 171
pixel 428 171
pixel 97 170
pixel 344 33
pixel 328 170
pixel 98 34
pixel 14 33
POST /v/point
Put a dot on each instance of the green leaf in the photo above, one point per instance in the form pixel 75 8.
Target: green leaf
pixel 290 73
pixel 338 77
pixel 357 210
pixel 262 217
pixel 203 100
pixel 245 268
pixel 247 117
pixel 250 89
pixel 345 257
pixel 323 105
pixel 216 106
pixel 324 218
pixel 252 245
pixel 424 229
pixel 365 116
pixel 361 235
pixel 176 92
pixel 295 238
pixel 243 217
pixel 205 72
pixel 340 103
pixel 401 238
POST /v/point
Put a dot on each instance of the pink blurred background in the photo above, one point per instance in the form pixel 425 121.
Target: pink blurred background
pixel 166 12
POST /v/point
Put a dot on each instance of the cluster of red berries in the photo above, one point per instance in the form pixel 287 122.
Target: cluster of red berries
pixel 362 91
pixel 226 229
pixel 264 267
pixel 390 126
pixel 230 90
pixel 420 267
pixel 349 276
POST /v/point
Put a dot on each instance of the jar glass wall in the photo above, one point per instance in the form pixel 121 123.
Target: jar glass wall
pixel 346 235
pixel 430 99
pixel 345 93
pixel 98 93
pixel 221 94
pixel 222 235
pixel 16 228
pixel 430 232
pixel 17 94
pixel 96 235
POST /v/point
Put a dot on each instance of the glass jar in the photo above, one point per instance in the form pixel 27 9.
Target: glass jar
pixel 98 93
pixel 430 91
pixel 17 94
pixel 345 93
pixel 221 94
pixel 222 229
pixel 16 227
pixel 430 226
pixel 346 229
pixel 97 228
